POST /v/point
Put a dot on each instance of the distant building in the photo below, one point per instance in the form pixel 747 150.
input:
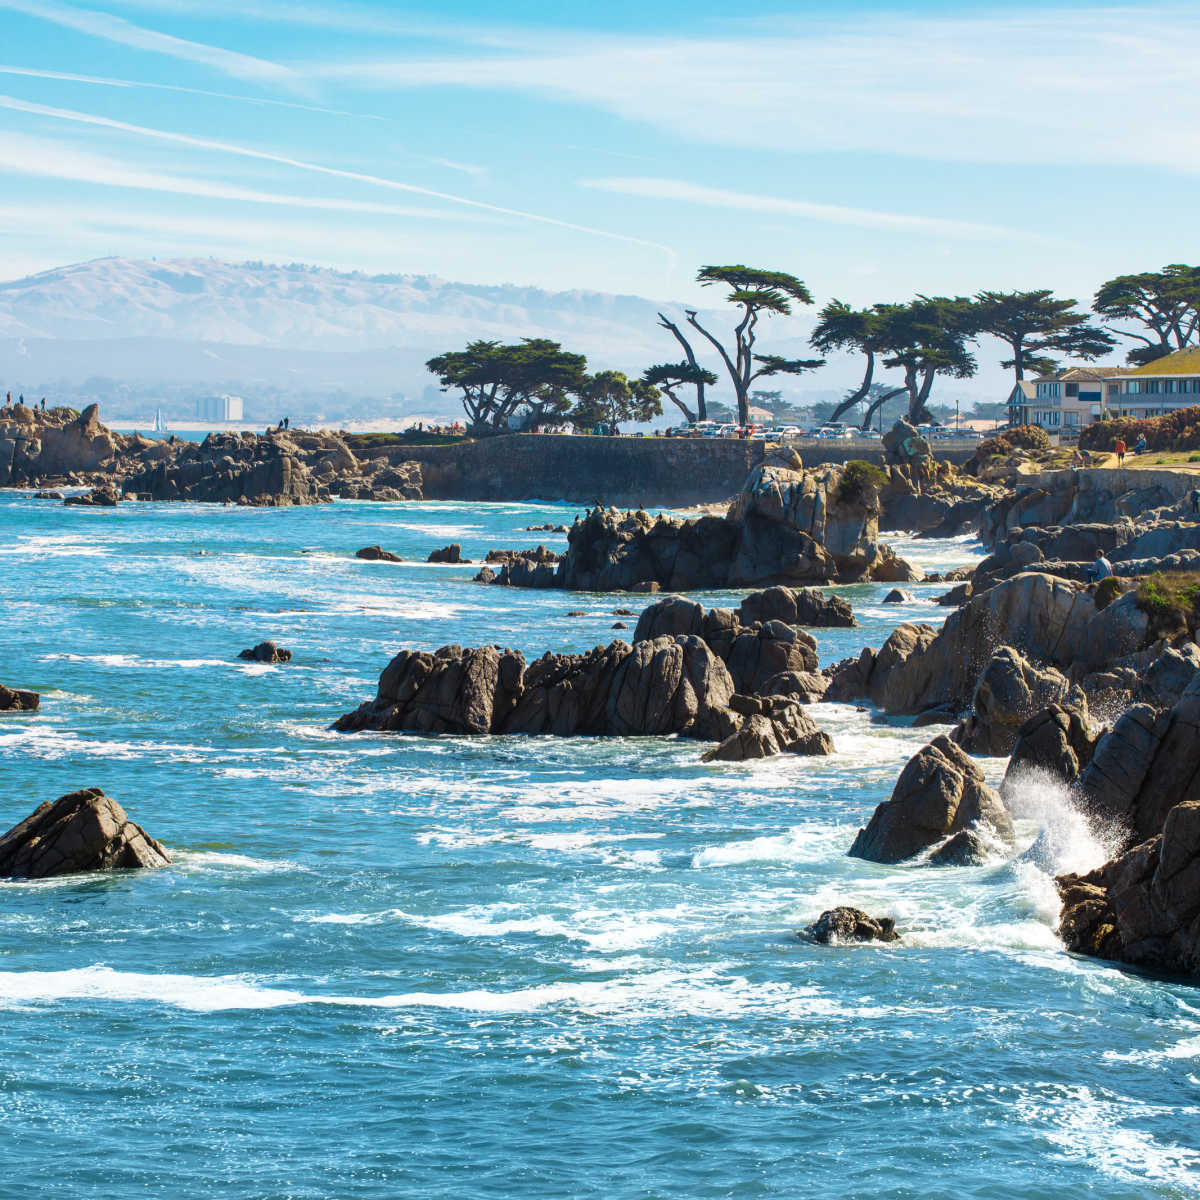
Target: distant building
pixel 1069 400
pixel 1163 386
pixel 220 408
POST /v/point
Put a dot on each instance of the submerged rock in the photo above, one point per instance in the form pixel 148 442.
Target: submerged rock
pixel 845 924
pixel 940 791
pixel 898 596
pixel 82 831
pixel 965 849
pixel 14 700
pixel 266 652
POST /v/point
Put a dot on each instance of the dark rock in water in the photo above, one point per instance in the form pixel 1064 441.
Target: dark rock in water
pixel 377 554
pixel 48 495
pixel 487 575
pixel 267 652
pixel 618 625
pixel 545 528
pixel 844 924
pixel 935 716
pixel 13 700
pixel 898 596
pixel 940 791
pixel 806 686
pixel 756 655
pixel 1009 692
pixel 448 554
pixel 100 497
pixel 577 612
pixel 623 612
pixel 1056 742
pixel 772 726
pixel 83 831
pixel 965 849
pixel 1142 908
pixel 796 606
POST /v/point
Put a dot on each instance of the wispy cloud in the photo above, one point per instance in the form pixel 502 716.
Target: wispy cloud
pixel 1083 85
pixel 232 148
pixel 49 158
pixel 676 190
pixel 125 33
pixel 104 81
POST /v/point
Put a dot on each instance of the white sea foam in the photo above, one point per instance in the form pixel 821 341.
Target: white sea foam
pixel 802 844
pixel 220 860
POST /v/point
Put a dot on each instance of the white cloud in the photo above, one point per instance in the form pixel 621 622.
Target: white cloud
pixel 1113 86
pixel 231 148
pixel 833 214
pixel 50 158
pixel 125 33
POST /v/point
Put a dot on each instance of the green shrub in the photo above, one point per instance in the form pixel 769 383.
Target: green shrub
pixel 1028 437
pixel 860 481
pixel 1107 590
pixel 1171 601
pixel 1175 431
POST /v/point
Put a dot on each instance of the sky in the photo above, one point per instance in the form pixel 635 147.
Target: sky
pixel 876 150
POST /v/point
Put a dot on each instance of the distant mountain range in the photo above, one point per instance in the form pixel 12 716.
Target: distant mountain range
pixel 126 331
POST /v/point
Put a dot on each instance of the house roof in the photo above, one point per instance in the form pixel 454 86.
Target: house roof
pixel 1084 375
pixel 1182 362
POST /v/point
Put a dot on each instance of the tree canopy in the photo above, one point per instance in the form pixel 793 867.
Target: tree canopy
pixel 1036 328
pixel 669 377
pixel 608 398
pixel 1166 304
pixel 754 291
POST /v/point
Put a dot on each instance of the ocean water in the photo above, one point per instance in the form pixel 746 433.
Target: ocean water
pixel 388 966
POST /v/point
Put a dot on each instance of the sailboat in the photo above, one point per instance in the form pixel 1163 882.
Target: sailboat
pixel 160 424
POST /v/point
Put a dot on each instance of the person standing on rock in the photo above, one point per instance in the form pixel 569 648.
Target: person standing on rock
pixel 1100 569
pixel 1194 497
pixel 1120 449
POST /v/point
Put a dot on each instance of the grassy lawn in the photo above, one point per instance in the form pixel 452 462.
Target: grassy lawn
pixel 1188 459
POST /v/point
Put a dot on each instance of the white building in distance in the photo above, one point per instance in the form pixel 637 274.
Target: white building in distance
pixel 220 408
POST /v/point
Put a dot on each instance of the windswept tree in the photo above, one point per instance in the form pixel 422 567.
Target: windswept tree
pixel 925 338
pixel 854 331
pixel 1166 304
pixel 668 378
pixel 517 386
pixel 700 377
pixel 1037 328
pixel 755 292
pixel 609 397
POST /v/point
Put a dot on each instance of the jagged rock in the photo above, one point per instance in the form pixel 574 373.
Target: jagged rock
pixel 772 726
pixel 99 497
pixel 1169 675
pixel 898 596
pixel 448 554
pixel 796 606
pixel 844 924
pixel 1056 742
pixel 618 625
pixel 48 495
pixel 82 831
pixel 756 655
pixel 13 700
pixel 545 528
pixel 959 594
pixel 1147 763
pixel 806 686
pixel 1142 908
pixel 965 849
pixel 377 554
pixel 623 612
pixel 939 792
pixel 1009 692
pixel 266 652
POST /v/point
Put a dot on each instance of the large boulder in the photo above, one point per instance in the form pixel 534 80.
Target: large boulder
pixel 266 652
pixel 1010 691
pixel 456 690
pixel 1143 907
pixel 759 654
pixel 1056 743
pixel 772 726
pixel 796 606
pixel 377 554
pixel 940 791
pixel 845 924
pixel 15 700
pixel 82 831
pixel 448 554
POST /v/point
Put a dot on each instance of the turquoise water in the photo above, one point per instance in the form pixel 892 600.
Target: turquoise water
pixel 402 967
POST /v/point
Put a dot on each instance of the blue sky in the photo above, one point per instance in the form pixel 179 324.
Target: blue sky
pixel 874 149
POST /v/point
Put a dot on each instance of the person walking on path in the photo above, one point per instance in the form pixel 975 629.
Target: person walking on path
pixel 1120 449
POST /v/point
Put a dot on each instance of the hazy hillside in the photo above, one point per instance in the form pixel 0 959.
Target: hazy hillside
pixel 134 333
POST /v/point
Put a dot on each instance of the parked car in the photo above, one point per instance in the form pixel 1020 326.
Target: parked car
pixel 869 435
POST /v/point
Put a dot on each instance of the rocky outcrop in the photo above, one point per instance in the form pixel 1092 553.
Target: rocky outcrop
pixel 843 924
pixel 448 554
pixel 104 496
pixel 939 792
pixel 82 831
pixel 1142 908
pixel 1050 621
pixel 266 652
pixel 932 497
pixel 14 700
pixel 1010 691
pixel 964 849
pixel 772 725
pixel 662 685
pixel 1056 743
pixel 797 606
pixel 377 554
pixel 521 568
pixel 1148 762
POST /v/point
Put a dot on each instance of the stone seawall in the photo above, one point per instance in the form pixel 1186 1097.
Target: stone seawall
pixel 624 471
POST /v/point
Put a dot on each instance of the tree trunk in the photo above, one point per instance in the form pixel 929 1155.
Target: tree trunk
pixel 859 394
pixel 878 403
pixel 689 354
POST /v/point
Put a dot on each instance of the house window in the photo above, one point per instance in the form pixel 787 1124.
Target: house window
pixel 1072 389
